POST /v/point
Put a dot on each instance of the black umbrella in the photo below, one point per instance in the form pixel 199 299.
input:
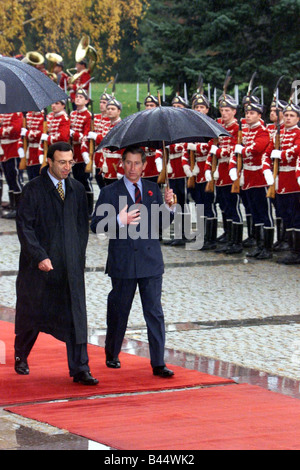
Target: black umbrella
pixel 162 126
pixel 24 88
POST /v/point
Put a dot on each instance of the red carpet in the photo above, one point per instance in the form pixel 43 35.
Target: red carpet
pixel 236 417
pixel 49 377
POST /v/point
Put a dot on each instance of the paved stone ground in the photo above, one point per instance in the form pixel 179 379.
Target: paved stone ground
pixel 223 307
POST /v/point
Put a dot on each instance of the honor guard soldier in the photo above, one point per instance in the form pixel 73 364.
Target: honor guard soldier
pixel 62 77
pixel 10 134
pixel 229 201
pixel 100 122
pixel 201 104
pixel 255 141
pixel 111 162
pixel 58 127
pixel 82 81
pixel 80 125
pixel 153 167
pixel 287 187
pixel 276 110
pixel 32 133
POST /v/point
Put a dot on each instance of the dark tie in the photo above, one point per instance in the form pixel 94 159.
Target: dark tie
pixel 138 196
pixel 60 190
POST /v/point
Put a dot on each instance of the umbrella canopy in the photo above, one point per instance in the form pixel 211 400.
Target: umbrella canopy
pixel 150 128
pixel 24 88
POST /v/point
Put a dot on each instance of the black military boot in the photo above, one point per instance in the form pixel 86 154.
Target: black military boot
pixel 267 251
pixel 294 256
pixel 210 240
pixel 237 237
pixel 229 242
pixel 250 241
pixel 224 237
pixel 259 242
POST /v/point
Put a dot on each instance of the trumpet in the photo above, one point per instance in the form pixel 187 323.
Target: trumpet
pixel 84 51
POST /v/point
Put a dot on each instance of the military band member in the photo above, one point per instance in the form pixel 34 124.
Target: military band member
pixel 153 168
pixel 229 202
pixel 179 102
pixel 32 133
pixel 288 190
pixel 255 141
pixel 201 104
pixel 83 81
pixel 80 125
pixel 62 77
pixel 100 122
pixel 10 134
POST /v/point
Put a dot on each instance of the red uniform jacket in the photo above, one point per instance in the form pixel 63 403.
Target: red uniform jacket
pixel 150 170
pixel 290 150
pixel 226 147
pixel 82 82
pixel 175 164
pixel 80 122
pixel 34 122
pixel 10 132
pixel 255 141
pixel 100 122
pixel 110 162
pixel 200 154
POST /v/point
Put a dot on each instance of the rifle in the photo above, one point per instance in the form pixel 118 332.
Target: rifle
pixel 23 164
pixel 271 193
pixel 89 166
pixel 45 143
pixel 192 179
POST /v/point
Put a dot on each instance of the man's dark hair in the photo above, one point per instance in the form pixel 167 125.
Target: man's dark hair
pixel 135 150
pixel 61 147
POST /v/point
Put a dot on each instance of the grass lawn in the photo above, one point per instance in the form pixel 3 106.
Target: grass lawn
pixel 126 93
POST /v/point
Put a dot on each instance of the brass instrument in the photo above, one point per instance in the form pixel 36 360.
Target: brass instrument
pixel 52 60
pixel 84 50
pixel 33 58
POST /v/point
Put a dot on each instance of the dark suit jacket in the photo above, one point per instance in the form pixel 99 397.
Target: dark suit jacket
pixel 132 254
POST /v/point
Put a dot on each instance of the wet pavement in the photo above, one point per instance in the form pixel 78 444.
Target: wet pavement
pixel 225 315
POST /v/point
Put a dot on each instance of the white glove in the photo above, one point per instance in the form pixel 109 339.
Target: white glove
pixel 233 174
pixel 191 147
pixel 187 170
pixel 44 137
pixel 71 132
pixel 41 159
pixel 23 132
pixel 86 157
pixel 159 164
pixel 208 175
pixel 196 170
pixel 92 135
pixel 21 152
pixel 298 180
pixel 276 154
pixel 213 149
pixel 238 148
pixel 216 175
pixel 269 177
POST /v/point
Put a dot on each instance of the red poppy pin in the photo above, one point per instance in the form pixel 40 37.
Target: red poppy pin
pixel 150 193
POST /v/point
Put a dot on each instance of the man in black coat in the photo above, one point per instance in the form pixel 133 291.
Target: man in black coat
pixel 52 226
pixel 134 255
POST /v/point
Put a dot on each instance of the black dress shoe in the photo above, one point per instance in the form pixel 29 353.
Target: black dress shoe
pixel 21 366
pixel 85 378
pixel 113 363
pixel 162 371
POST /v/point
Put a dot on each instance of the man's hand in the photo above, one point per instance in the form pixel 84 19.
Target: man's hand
pixel 129 218
pixel 45 265
pixel 169 196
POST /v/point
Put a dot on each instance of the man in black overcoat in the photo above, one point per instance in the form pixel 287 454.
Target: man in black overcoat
pixel 134 255
pixel 52 226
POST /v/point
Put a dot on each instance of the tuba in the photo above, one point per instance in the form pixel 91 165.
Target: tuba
pixel 33 58
pixel 52 60
pixel 84 51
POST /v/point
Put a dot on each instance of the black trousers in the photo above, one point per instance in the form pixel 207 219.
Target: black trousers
pixel 118 308
pixel 76 353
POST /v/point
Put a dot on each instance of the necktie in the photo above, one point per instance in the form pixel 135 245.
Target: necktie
pixel 60 190
pixel 138 196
